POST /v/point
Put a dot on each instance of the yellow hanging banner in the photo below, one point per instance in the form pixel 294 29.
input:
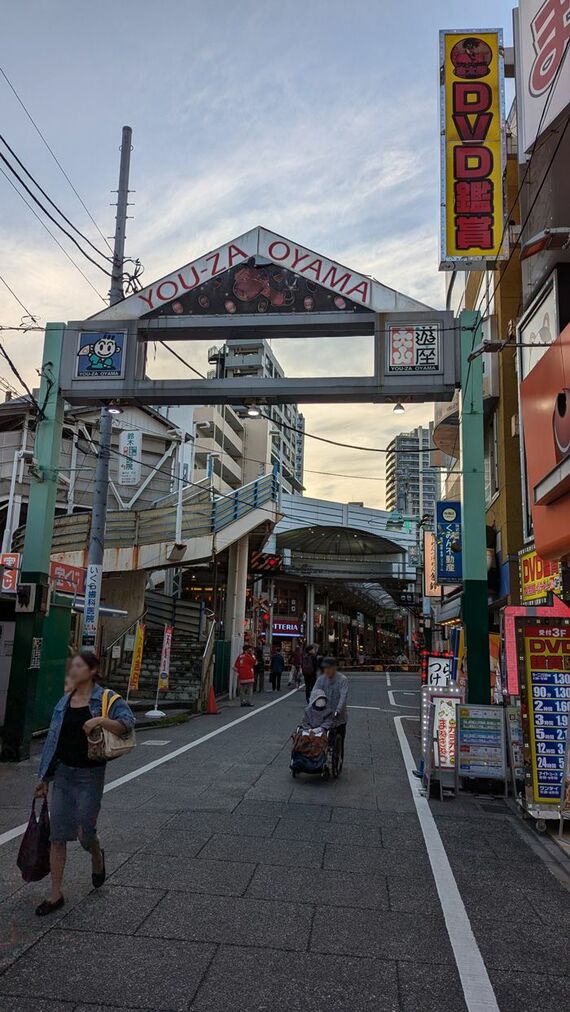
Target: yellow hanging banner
pixel 137 658
pixel 472 149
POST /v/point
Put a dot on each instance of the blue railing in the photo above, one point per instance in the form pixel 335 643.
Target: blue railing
pixel 228 508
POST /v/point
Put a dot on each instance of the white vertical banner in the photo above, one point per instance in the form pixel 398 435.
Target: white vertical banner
pixel 543 80
pixel 91 608
pixel 130 450
pixel 164 676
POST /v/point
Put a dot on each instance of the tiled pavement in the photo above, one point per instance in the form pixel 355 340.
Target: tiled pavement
pixel 233 887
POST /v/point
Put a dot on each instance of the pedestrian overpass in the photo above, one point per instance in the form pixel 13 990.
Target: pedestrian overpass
pixel 321 541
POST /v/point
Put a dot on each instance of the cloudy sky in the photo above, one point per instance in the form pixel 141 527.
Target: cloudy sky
pixel 315 118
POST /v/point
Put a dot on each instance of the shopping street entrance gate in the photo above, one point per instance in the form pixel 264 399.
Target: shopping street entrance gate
pixel 258 284
pixel 262 284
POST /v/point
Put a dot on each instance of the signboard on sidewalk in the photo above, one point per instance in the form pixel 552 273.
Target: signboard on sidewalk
pixel 544 654
pixel 136 662
pixel 472 149
pixel 429 694
pixel 445 733
pixel 481 741
pixel 164 676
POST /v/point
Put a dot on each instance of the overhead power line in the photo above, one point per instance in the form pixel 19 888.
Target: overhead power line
pixel 50 215
pixel 54 156
pixel 52 202
pixel 19 301
pixel 54 237
pixel 20 379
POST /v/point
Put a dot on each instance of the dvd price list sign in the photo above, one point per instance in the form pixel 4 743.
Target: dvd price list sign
pixel 544 652
pixel 482 745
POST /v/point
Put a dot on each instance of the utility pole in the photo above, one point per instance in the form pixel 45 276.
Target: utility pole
pixel 475 606
pixel 33 590
pixel 101 485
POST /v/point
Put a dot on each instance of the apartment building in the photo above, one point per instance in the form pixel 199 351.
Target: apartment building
pixel 412 484
pixel 245 358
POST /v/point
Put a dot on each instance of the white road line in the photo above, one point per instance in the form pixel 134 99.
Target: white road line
pixel 477 988
pixel 12 834
pixel 380 709
pixel 388 679
pixel 399 706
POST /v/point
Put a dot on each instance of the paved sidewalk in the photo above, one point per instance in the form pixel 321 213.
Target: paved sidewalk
pixel 233 888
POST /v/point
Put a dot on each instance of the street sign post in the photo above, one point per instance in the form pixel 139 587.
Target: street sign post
pixel 481 743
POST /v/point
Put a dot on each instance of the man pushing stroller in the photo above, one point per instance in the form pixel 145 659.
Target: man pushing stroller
pixel 334 685
pixel 318 742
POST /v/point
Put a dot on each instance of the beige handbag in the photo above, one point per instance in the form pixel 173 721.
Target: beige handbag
pixel 103 744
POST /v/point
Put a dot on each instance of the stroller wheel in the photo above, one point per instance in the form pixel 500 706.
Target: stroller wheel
pixel 326 773
pixel 293 773
pixel 337 757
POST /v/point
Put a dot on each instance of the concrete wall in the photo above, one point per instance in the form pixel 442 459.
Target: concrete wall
pixel 125 591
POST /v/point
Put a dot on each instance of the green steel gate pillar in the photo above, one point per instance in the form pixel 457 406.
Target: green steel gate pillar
pixel 24 671
pixel 474 542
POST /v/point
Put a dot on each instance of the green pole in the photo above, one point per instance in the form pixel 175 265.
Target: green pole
pixel 24 670
pixel 474 543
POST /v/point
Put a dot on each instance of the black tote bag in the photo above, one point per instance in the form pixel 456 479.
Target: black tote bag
pixel 33 855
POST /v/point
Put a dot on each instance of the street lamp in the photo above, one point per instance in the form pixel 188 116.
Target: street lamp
pixel 253 411
pixel 399 409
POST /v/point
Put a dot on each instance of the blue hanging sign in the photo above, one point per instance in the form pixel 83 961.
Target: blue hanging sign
pixel 449 558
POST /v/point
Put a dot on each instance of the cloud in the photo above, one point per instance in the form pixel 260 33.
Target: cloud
pixel 343 171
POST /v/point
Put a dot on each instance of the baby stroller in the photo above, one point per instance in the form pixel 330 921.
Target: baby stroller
pixel 317 746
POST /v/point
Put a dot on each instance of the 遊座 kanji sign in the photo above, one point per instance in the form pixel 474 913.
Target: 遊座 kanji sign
pixel 472 149
pixel 413 349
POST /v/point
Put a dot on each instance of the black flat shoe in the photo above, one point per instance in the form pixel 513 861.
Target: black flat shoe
pixel 46 907
pixel 98 877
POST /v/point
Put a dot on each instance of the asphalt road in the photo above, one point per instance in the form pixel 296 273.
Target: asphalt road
pixel 234 887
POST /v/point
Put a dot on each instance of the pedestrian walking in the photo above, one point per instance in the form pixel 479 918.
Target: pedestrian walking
pixel 296 667
pixel 335 687
pixel 245 670
pixel 259 667
pixel 309 669
pixel 277 668
pixel 77 780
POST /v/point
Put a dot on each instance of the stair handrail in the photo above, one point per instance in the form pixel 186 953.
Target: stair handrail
pixel 207 663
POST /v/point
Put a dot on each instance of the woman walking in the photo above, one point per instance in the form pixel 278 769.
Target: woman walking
pixel 77 780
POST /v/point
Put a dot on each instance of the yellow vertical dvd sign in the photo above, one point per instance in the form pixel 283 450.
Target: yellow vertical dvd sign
pixel 472 149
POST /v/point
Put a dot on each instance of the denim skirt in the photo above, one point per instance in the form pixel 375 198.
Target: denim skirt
pixel 75 803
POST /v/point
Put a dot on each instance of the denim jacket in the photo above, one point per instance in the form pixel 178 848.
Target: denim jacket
pixel 120 710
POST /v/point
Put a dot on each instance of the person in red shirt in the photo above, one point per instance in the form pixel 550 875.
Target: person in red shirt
pixel 245 670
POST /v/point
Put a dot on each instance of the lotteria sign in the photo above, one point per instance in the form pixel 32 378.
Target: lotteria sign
pixel 472 149
pixel 261 244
